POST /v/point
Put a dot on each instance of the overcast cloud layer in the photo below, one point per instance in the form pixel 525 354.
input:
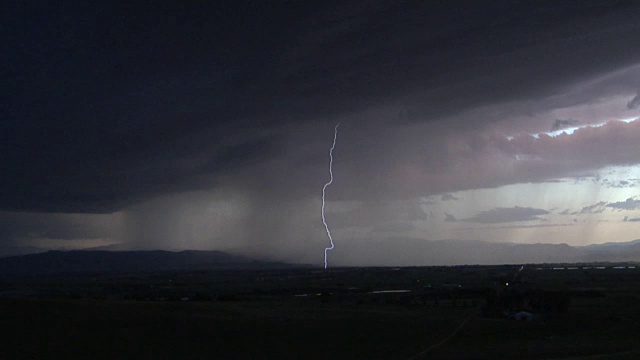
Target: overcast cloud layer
pixel 208 125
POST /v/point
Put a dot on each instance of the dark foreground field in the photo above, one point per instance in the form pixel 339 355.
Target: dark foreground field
pixel 441 313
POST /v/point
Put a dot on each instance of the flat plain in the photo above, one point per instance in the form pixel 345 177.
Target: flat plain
pixel 342 313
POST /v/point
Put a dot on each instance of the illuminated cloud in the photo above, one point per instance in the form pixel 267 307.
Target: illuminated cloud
pixel 560 124
pixel 474 160
pixel 506 215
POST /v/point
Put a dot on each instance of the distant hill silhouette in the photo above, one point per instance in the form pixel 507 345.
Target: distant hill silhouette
pixel 411 251
pixel 402 251
pixel 80 261
pixel 625 251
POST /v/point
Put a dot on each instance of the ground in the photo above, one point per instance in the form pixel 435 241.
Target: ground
pixel 317 314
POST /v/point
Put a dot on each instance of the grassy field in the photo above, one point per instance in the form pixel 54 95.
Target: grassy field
pixel 257 315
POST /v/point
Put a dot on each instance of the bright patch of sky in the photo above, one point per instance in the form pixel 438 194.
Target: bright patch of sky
pixel 577 210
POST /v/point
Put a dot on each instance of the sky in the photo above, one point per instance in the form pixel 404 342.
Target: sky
pixel 207 125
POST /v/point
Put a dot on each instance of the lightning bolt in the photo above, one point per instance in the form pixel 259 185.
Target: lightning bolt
pixel 324 189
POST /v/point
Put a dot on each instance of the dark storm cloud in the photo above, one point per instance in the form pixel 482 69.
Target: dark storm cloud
pixel 596 208
pixel 95 183
pixel 629 204
pixel 620 184
pixel 448 197
pixel 560 124
pixel 109 104
pixel 634 103
pixel 449 218
pixel 16 226
pixel 505 215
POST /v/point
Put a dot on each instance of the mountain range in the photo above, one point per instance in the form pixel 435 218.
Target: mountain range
pixel 410 251
pixel 399 252
pixel 101 261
